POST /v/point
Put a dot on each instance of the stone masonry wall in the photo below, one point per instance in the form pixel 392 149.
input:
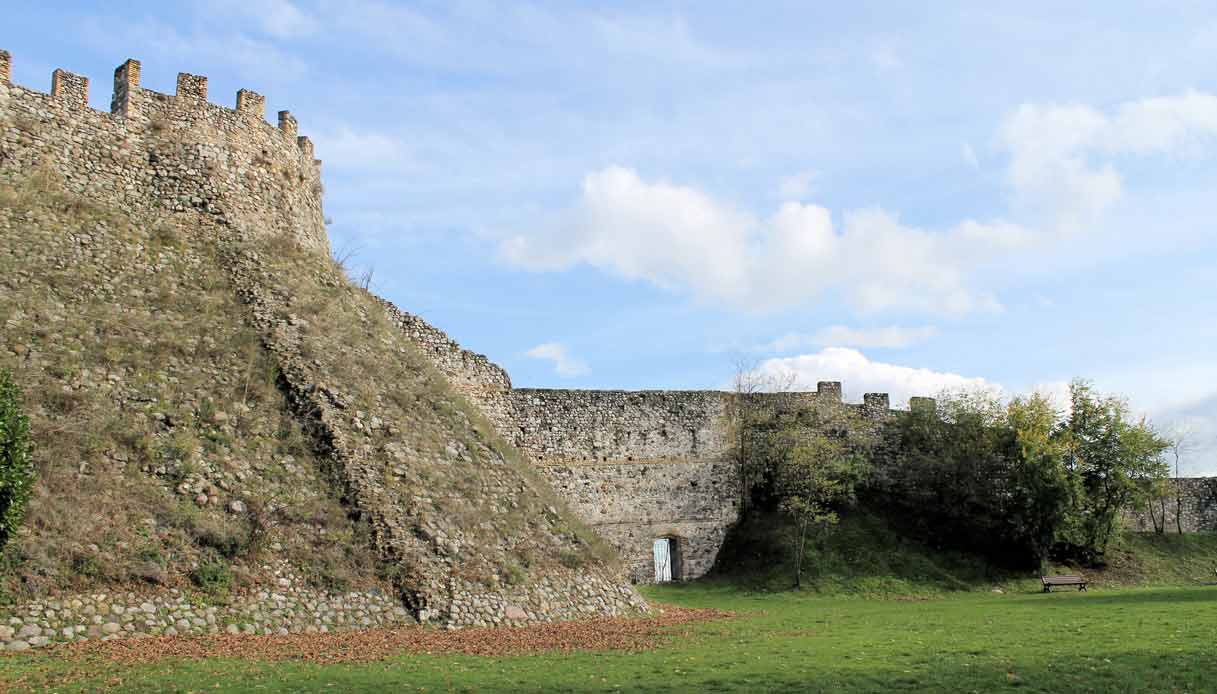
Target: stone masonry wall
pixel 226 174
pixel 585 426
pixel 468 371
pixel 166 155
pixel 634 465
pixel 283 608
pixel 632 504
pixel 1199 507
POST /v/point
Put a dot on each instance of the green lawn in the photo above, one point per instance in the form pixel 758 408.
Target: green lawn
pixel 1141 639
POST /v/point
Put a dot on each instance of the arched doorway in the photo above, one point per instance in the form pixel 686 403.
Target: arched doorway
pixel 666 553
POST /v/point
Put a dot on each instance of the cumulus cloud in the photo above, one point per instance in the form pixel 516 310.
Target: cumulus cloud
pixel 1061 174
pixel 680 238
pixel 859 374
pixel 890 337
pixel 564 364
pixel 1056 392
pixel 674 236
pixel 1061 164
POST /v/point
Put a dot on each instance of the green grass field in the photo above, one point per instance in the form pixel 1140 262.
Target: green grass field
pixel 1126 640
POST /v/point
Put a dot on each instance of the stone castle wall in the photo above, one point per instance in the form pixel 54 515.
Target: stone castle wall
pixel 285 607
pixel 632 504
pixel 1197 507
pixel 468 371
pixel 641 465
pixel 166 154
pixel 226 174
pixel 634 465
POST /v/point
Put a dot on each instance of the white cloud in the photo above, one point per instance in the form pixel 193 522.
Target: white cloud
pixel 1060 167
pixel 890 337
pixel 671 235
pixel 1196 423
pixel 564 364
pixel 680 238
pixel 1056 392
pixel 859 375
pixel 1061 174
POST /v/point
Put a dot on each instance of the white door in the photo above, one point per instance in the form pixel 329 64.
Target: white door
pixel 663 560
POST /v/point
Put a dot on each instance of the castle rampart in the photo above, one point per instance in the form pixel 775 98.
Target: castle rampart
pixel 635 465
pixel 166 153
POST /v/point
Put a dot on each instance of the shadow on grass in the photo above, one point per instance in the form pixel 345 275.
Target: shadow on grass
pixel 950 672
pixel 1138 597
pixel 1123 672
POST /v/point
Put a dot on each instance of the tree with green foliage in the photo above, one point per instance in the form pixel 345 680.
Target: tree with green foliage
pixel 758 401
pixel 822 455
pixel 1116 462
pixel 1041 488
pixel 979 475
pixel 16 459
pixel 1020 482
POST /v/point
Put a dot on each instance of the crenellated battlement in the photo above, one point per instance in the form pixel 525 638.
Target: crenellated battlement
pixel 180 151
pixel 191 93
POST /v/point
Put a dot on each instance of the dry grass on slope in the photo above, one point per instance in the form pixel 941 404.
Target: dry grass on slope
pixel 425 452
pixel 162 441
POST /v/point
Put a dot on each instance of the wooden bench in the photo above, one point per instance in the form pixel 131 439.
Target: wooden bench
pixel 1050 581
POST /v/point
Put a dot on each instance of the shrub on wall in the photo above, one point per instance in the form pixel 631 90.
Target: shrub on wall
pixel 16 460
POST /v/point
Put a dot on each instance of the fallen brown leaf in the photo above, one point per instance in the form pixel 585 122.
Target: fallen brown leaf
pixel 617 634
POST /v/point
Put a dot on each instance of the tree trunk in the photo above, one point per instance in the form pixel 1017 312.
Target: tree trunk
pixel 799 552
pixel 1178 497
pixel 1159 519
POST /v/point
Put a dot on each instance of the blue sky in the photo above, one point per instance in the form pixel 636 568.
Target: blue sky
pixel 901 198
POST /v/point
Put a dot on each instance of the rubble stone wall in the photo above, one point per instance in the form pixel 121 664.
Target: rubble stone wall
pixel 165 154
pixel 228 175
pixel 283 608
pixel 1196 507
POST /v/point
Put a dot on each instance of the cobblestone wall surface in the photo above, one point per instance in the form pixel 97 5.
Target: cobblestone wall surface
pixel 166 154
pixel 282 608
pixel 633 504
pixel 228 175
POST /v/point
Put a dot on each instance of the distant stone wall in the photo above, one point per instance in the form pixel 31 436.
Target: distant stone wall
pixel 470 372
pixel 615 425
pixel 633 504
pixel 634 465
pixel 1198 507
pixel 166 154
